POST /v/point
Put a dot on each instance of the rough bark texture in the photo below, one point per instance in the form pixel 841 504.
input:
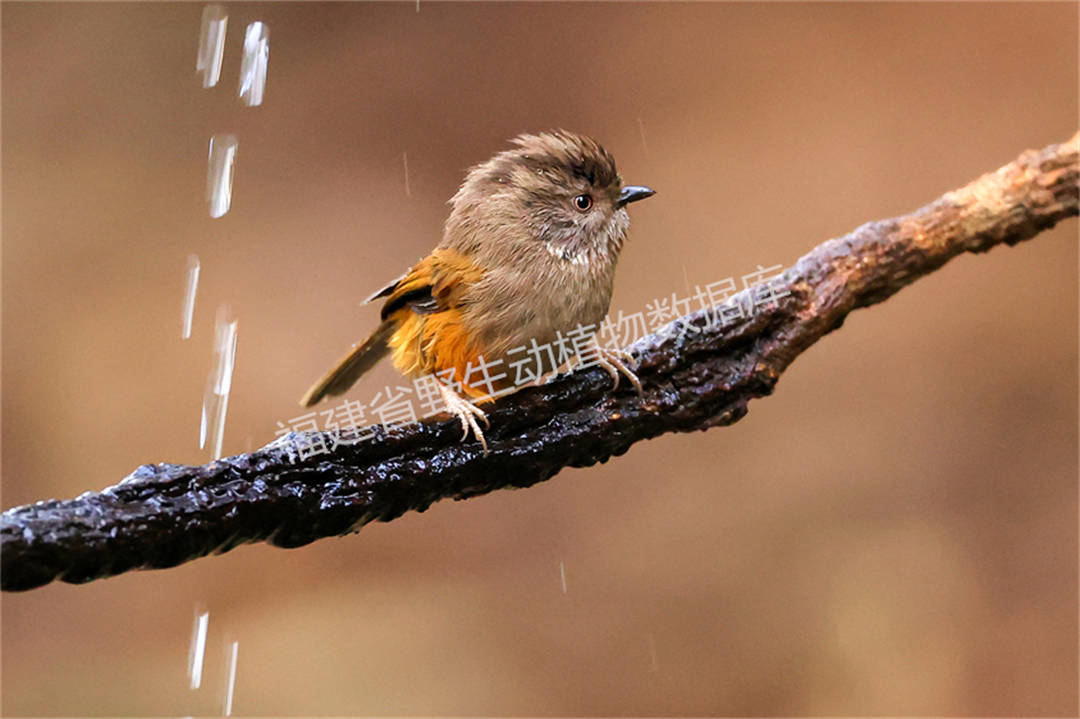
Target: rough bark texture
pixel 695 376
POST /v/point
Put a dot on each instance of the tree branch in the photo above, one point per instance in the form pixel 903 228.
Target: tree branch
pixel 695 374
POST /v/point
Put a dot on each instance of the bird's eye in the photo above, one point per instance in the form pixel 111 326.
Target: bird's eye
pixel 583 202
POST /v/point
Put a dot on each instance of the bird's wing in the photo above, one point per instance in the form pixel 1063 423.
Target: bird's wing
pixel 435 286
pixel 437 283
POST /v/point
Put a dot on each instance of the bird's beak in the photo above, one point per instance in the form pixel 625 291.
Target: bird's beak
pixel 633 193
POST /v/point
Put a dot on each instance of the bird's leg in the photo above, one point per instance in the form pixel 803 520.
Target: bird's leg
pixel 466 412
pixel 616 362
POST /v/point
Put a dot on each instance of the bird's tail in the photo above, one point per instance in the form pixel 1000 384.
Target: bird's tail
pixel 349 368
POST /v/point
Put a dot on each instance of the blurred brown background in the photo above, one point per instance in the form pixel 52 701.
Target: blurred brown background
pixel 893 532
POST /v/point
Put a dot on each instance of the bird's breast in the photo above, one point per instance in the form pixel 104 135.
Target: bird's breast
pixel 555 295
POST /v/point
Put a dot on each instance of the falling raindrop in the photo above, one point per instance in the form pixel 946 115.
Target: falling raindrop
pixel 254 65
pixel 211 44
pixel 230 683
pixel 219 382
pixel 191 286
pixel 219 173
pixel 198 648
pixel 562 574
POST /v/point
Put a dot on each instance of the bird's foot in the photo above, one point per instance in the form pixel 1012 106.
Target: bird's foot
pixel 467 413
pixel 616 362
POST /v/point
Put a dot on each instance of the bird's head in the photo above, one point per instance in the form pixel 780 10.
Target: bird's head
pixel 558 190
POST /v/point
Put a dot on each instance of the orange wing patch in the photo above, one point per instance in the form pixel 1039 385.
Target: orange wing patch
pixel 430 336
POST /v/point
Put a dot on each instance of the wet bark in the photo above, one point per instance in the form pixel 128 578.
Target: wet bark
pixel 697 373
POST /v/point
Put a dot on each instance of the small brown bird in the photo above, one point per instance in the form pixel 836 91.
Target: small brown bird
pixel 528 253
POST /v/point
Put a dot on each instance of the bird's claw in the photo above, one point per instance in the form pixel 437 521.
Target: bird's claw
pixel 616 362
pixel 467 413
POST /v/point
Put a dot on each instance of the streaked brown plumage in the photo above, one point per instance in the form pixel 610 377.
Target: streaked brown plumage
pixel 529 251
